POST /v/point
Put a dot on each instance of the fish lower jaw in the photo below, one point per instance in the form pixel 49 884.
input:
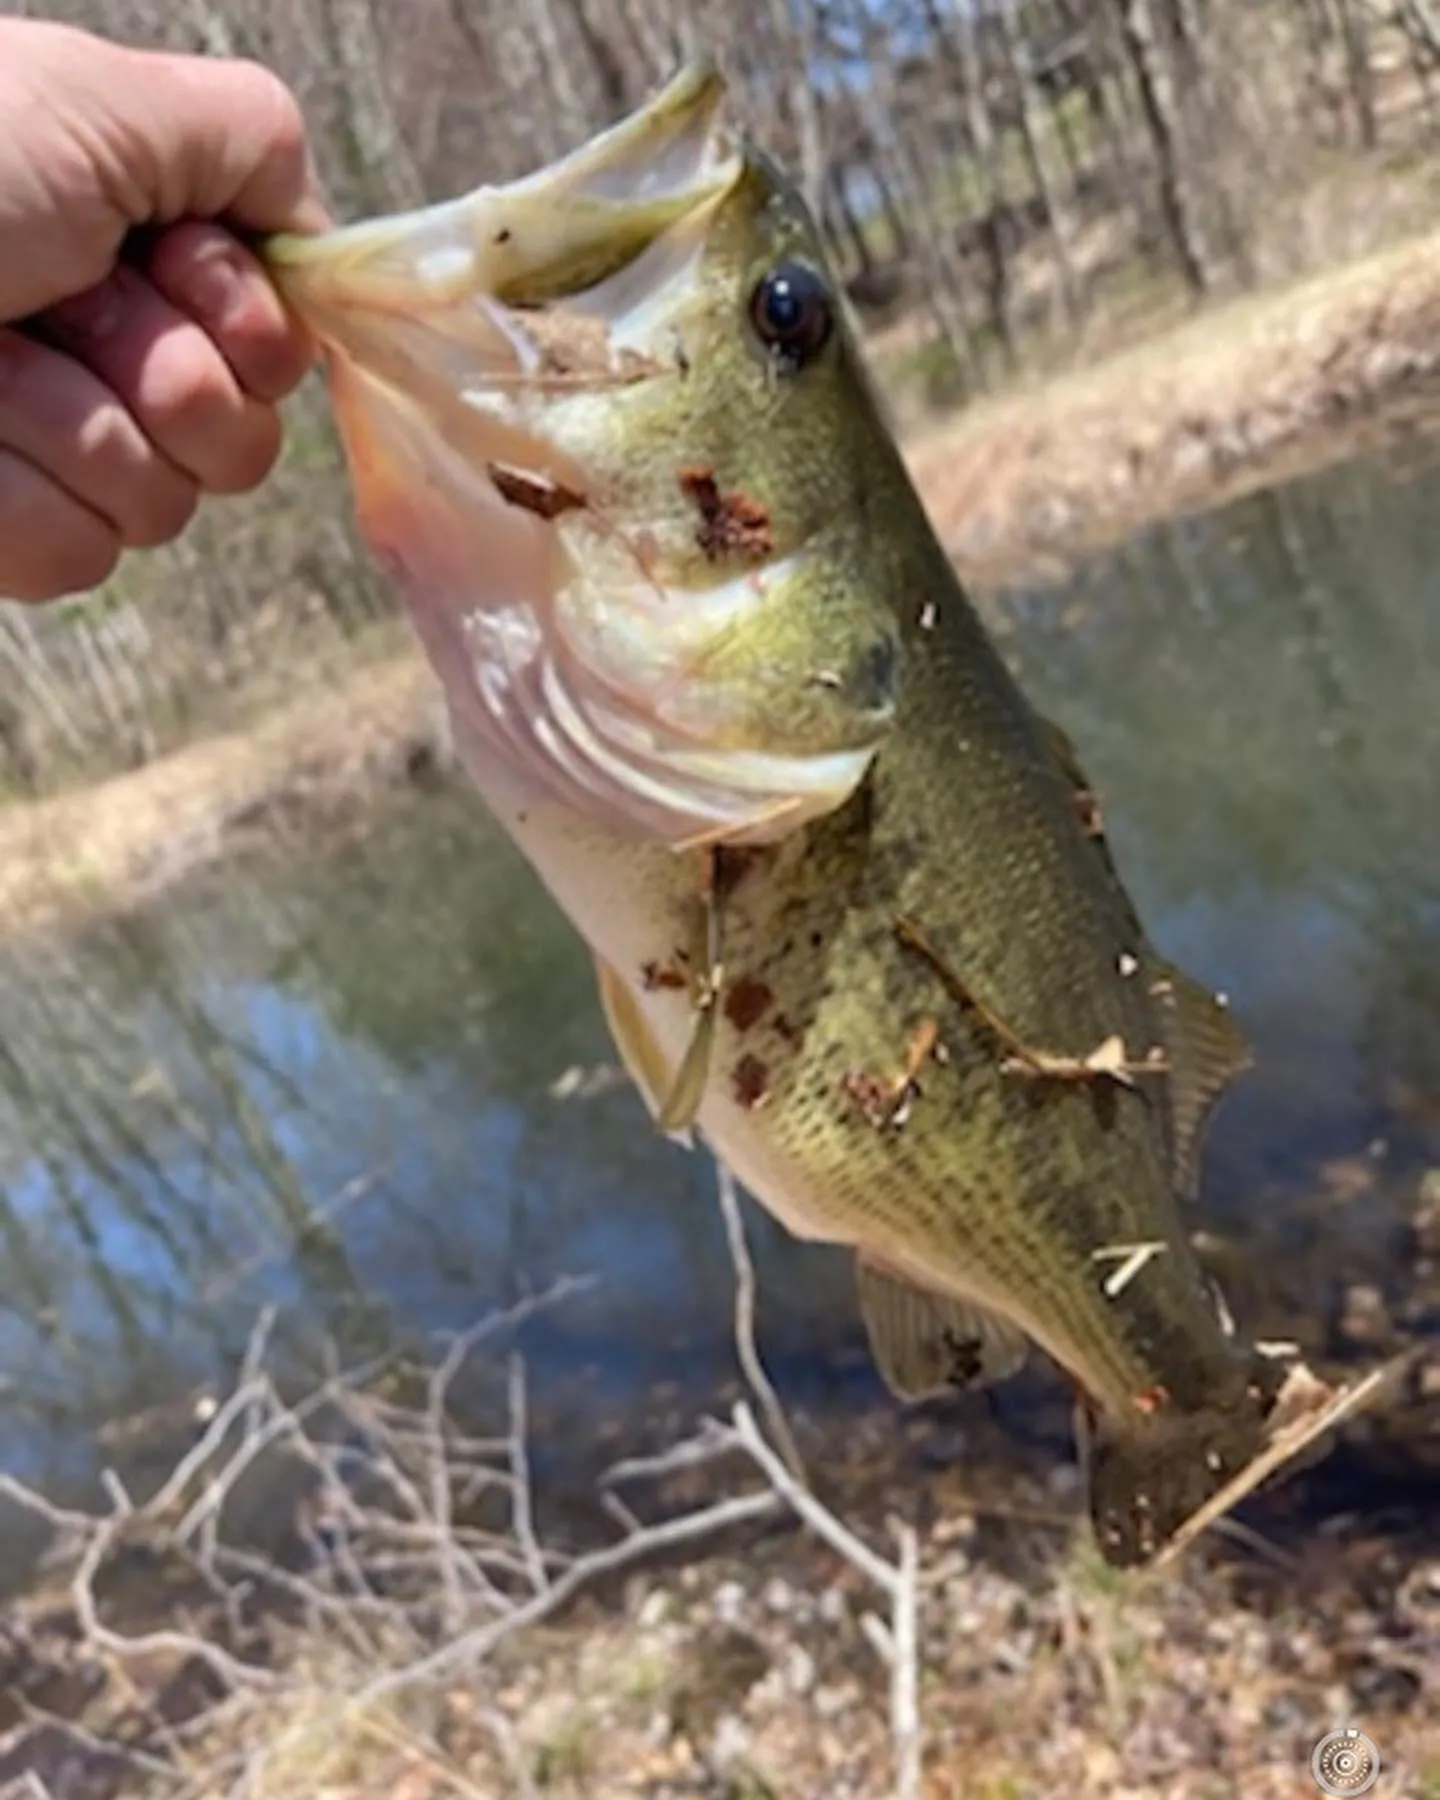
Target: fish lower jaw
pixel 524 725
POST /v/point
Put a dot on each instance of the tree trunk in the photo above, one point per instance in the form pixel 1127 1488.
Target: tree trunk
pixel 1177 200
pixel 609 64
pixel 1359 75
pixel 985 150
pixel 905 182
pixel 1032 117
pixel 377 160
pixel 842 220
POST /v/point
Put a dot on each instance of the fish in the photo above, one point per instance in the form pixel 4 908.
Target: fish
pixel 855 920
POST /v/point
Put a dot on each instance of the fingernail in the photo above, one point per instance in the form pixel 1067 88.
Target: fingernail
pixel 215 286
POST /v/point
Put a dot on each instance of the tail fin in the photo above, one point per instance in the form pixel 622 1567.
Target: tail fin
pixel 1156 1485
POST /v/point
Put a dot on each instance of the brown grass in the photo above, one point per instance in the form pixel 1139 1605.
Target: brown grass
pixel 1272 384
pixel 107 845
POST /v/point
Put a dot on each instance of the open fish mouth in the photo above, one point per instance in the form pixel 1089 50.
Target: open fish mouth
pixel 479 352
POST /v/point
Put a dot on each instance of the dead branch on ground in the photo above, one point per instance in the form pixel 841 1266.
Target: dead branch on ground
pixel 416 1547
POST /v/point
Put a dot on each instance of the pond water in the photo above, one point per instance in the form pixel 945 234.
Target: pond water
pixel 357 1082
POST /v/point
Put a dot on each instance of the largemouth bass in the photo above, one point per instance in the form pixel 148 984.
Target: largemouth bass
pixel 849 895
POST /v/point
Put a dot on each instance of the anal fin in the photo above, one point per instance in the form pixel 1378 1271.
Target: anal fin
pixel 645 1062
pixel 927 1343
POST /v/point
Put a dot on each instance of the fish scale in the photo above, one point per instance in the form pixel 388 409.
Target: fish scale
pixel 852 910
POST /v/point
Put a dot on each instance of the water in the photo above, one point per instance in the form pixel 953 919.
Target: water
pixel 325 1081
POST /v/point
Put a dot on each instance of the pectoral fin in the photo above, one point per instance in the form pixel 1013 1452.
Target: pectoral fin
pixel 645 1062
pixel 926 1343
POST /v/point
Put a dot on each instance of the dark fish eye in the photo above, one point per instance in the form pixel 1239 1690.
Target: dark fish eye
pixel 791 312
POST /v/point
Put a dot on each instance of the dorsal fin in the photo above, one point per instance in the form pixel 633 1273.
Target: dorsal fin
pixel 1205 1049
pixel 926 1343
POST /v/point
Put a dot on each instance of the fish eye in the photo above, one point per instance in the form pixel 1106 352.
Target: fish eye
pixel 792 314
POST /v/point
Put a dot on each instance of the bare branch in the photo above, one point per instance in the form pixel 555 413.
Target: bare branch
pixel 521 1518
pixel 745 1345
pixel 898 1644
pixel 475 1646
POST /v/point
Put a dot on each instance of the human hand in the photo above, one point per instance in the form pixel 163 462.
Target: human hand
pixel 142 350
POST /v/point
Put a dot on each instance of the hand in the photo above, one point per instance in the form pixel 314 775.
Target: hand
pixel 142 350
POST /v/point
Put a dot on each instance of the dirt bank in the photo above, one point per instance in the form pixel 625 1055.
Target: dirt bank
pixel 1272 385
pixel 313 763
pixel 1019 487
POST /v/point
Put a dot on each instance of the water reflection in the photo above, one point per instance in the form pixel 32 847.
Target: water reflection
pixel 329 1084
pixel 1255 692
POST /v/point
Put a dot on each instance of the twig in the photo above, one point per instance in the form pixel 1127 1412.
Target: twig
pixel 182 1476
pixel 1131 1259
pixel 813 1512
pixel 745 1344
pixel 61 1518
pixel 474 1646
pixel 905 1667
pixel 898 1645
pixel 231 1669
pixel 689 1453
pixel 440 1486
pixel 41 1718
pixel 521 1517
pixel 509 1752
pixel 28 1786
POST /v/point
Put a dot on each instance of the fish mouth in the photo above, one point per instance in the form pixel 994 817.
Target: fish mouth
pixel 455 337
pixel 550 238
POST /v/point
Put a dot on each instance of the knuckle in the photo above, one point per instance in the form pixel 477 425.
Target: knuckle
pixel 189 396
pixel 276 105
pixel 163 511
pixel 50 545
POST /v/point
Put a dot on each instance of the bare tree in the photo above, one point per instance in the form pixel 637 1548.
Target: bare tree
pixel 1032 117
pixel 1177 197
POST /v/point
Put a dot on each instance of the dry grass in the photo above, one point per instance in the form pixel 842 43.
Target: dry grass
pixel 1021 486
pixel 108 845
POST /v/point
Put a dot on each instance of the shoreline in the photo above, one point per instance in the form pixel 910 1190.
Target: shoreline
pixel 1020 487
pixel 1267 387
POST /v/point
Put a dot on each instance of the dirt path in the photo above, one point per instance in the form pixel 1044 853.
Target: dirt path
pixel 1019 487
